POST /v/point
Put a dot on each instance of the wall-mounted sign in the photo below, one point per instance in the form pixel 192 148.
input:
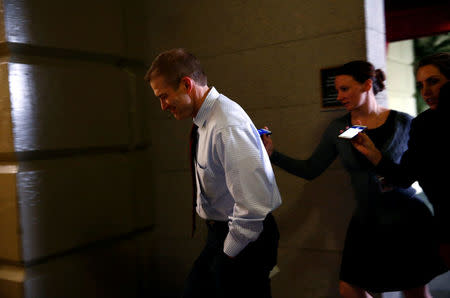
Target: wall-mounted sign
pixel 329 93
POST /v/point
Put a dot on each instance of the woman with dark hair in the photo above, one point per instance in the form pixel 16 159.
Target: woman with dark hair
pixel 425 160
pixel 386 241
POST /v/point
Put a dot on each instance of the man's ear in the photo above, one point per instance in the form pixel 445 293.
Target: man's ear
pixel 188 83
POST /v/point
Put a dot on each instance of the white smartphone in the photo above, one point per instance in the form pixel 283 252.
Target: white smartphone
pixel 352 131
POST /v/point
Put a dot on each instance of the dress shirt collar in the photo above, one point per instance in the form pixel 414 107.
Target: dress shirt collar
pixel 205 109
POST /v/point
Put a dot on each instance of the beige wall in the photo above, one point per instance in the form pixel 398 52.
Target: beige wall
pixel 75 199
pixel 89 162
pixel 267 56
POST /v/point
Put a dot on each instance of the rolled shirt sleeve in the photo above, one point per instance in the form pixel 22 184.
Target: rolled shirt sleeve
pixel 250 181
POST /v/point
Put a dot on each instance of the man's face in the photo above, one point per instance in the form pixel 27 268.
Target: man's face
pixel 178 102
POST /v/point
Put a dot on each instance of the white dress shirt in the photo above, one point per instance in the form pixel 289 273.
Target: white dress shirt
pixel 235 180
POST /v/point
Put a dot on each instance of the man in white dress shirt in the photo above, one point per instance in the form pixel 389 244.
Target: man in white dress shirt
pixel 234 184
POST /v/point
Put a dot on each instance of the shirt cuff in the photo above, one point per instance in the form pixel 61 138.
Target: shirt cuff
pixel 232 247
pixel 240 236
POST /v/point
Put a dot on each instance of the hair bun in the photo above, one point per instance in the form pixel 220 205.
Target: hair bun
pixel 380 77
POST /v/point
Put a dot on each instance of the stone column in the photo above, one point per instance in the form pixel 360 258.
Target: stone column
pixel 74 200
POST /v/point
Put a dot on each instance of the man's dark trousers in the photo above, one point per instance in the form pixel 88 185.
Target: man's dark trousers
pixel 215 275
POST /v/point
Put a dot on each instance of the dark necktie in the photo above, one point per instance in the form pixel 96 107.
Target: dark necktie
pixel 193 151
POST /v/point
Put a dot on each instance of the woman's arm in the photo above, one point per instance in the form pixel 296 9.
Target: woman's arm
pixel 324 154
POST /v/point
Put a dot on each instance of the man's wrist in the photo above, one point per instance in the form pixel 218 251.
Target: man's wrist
pixel 230 257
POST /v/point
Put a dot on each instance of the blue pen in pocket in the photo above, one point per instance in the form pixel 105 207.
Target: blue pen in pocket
pixel 263 131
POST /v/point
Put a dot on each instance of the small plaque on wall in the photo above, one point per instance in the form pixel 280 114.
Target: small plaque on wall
pixel 329 93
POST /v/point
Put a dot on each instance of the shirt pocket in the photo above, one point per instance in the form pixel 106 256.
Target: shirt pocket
pixel 205 178
pixel 201 172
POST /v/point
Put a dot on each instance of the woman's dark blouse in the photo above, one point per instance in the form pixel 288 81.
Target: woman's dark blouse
pixel 426 162
pixel 391 138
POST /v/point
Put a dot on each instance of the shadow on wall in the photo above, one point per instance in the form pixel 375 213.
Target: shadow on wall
pixel 312 223
pixel 317 217
pixel 166 261
pixel 167 278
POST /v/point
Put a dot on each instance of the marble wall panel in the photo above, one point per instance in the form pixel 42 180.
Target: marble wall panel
pixel 10 248
pixel 70 202
pixel 59 105
pixel 92 26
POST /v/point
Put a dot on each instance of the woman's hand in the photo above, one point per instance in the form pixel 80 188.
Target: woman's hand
pixel 267 141
pixel 364 144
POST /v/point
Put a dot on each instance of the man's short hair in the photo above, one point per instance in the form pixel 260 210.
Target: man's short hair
pixel 175 64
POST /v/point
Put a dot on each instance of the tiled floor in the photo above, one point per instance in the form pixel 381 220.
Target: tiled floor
pixel 439 287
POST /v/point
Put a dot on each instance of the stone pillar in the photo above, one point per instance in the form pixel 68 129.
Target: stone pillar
pixel 400 79
pixel 74 200
pixel 375 30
